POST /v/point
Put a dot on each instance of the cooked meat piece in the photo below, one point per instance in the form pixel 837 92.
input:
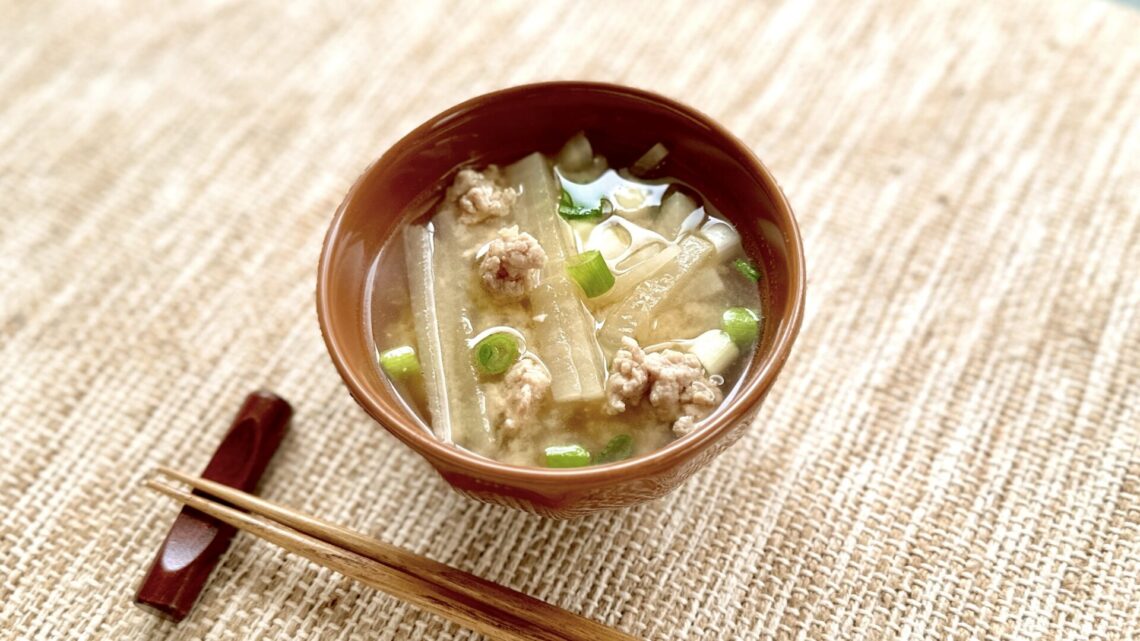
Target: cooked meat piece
pixel 679 388
pixel 511 265
pixel 628 379
pixel 698 400
pixel 672 373
pixel 476 196
pixel 527 383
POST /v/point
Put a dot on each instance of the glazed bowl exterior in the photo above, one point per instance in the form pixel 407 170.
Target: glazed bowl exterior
pixel 622 122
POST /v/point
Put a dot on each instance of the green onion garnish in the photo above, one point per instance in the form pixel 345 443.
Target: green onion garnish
pixel 590 271
pixel 741 324
pixel 400 362
pixel 566 204
pixel 571 211
pixel 567 456
pixel 747 269
pixel 619 448
pixel 495 353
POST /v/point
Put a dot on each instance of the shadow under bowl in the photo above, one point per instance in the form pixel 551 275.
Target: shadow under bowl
pixel 500 127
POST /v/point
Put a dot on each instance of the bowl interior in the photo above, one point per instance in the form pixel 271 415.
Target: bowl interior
pixel 622 123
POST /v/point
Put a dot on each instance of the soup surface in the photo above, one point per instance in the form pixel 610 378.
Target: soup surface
pixel 557 312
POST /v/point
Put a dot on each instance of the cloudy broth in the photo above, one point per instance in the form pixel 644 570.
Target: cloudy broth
pixel 557 312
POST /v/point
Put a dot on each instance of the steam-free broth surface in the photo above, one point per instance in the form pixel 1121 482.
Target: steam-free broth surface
pixel 557 312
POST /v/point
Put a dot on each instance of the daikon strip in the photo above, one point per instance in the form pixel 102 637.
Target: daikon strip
pixel 536 210
pixel 440 309
pixel 566 337
pixel 566 341
pixel 635 253
pixel 674 210
pixel 625 281
pixel 576 154
pixel 633 316
pixel 649 160
pixel 703 285
pixel 576 160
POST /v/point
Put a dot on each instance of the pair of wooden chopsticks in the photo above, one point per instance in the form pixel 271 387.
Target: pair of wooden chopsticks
pixel 488 608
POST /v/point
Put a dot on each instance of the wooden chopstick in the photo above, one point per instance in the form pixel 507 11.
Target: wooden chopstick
pixel 489 608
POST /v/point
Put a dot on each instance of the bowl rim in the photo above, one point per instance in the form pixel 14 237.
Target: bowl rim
pixel 662 459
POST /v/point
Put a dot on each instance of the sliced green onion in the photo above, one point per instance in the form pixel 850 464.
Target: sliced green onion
pixel 567 456
pixel 571 211
pixel 565 202
pixel 590 271
pixel 619 448
pixel 715 350
pixel 495 353
pixel 741 324
pixel 400 362
pixel 747 269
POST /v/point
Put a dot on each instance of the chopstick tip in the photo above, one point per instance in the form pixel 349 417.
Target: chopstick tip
pixel 165 489
pixel 172 473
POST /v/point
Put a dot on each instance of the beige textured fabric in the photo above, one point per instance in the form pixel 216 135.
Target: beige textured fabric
pixel 951 453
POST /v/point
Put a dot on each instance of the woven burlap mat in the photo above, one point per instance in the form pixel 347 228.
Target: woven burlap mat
pixel 951 452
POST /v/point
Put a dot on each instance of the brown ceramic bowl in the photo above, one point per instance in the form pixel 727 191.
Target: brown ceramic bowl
pixel 500 127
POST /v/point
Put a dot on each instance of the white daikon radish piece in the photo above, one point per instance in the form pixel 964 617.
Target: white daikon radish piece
pixel 576 154
pixel 633 315
pixel 566 338
pixel 702 285
pixel 649 160
pixel 577 161
pixel 656 258
pixel 674 210
pixel 455 401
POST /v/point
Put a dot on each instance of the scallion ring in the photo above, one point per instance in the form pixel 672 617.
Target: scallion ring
pixel 567 456
pixel 401 361
pixel 747 269
pixel 590 271
pixel 741 324
pixel 619 448
pixel 496 353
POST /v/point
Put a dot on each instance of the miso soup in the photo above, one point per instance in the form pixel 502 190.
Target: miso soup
pixel 557 312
